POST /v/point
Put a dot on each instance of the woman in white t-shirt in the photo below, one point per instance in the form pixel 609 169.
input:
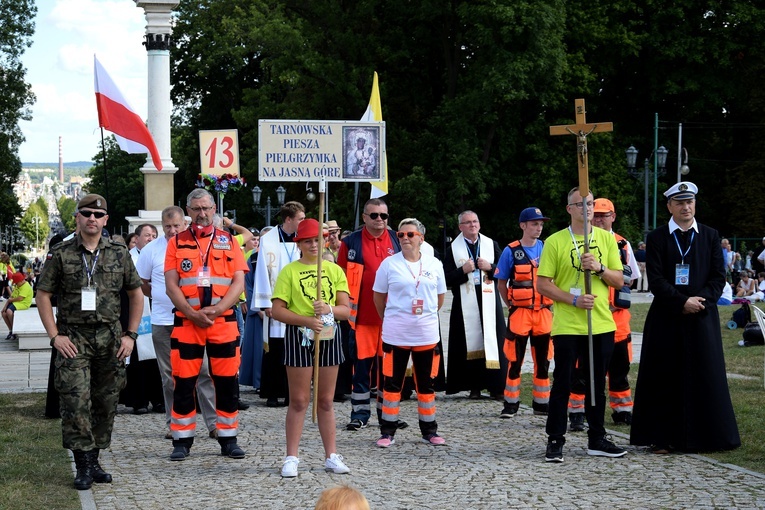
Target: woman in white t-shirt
pixel 746 286
pixel 409 289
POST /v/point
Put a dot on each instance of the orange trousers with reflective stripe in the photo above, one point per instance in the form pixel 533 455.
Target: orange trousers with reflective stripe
pixel 188 343
pixel 619 392
pixel 425 362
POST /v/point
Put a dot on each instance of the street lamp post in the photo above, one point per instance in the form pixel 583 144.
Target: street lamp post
pixel 257 193
pixel 632 153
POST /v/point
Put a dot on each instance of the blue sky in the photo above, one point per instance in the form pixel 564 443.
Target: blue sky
pixel 60 69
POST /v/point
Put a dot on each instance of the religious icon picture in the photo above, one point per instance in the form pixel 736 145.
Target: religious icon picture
pixel 362 153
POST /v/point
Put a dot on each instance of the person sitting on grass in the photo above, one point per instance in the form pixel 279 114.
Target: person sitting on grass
pixel 21 299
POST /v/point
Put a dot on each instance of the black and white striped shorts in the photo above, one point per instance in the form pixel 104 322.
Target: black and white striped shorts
pixel 295 355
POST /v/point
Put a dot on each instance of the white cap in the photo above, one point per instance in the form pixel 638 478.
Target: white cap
pixel 683 190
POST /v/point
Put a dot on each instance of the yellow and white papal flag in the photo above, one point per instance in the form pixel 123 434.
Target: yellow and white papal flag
pixel 374 114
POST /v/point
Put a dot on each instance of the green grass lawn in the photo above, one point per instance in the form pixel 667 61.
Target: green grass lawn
pixel 35 471
pixel 748 395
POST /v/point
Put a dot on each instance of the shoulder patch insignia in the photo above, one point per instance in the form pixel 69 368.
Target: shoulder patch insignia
pixel 186 265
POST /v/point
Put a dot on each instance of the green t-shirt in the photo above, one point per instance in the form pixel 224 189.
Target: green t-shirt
pixel 24 291
pixel 296 285
pixel 561 261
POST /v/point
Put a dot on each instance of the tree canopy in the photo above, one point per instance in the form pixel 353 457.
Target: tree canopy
pixel 16 97
pixel 469 90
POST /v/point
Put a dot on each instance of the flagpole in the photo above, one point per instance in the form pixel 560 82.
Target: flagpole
pixel 106 181
pixel 317 337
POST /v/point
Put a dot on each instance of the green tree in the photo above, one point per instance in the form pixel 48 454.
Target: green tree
pixel 16 97
pixel 66 207
pixel 123 186
pixel 469 90
pixel 35 230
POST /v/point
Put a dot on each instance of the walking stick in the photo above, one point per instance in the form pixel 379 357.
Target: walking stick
pixel 317 337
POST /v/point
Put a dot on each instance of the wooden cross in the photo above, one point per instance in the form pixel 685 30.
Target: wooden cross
pixel 581 130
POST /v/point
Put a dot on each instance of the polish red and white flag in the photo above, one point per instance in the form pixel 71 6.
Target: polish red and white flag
pixel 116 115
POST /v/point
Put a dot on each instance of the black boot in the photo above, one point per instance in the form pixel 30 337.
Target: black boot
pixel 181 448
pixel 99 475
pixel 84 479
pixel 229 448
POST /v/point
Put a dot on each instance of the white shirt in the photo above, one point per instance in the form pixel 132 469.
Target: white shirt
pixel 398 278
pixel 134 253
pixel 151 266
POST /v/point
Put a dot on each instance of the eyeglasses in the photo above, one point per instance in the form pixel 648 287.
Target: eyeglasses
pixel 97 214
pixel 199 209
pixel 334 233
pixel 383 216
pixel 410 235
pixel 581 204
pixel 471 222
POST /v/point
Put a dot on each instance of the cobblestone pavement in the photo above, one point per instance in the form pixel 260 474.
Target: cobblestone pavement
pixel 486 463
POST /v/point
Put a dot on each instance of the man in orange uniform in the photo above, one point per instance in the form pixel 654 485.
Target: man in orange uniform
pixel 204 275
pixel 361 253
pixel 530 316
pixel 619 393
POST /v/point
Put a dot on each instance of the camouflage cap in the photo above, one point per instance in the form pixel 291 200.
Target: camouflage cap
pixel 92 201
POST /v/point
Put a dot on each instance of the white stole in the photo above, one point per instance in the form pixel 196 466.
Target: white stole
pixel 273 256
pixel 481 342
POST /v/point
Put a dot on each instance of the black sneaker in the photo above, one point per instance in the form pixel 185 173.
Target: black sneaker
pixel 540 409
pixel 622 418
pixel 554 450
pixel 602 447
pixel 577 422
pixel 509 410
pixel 356 424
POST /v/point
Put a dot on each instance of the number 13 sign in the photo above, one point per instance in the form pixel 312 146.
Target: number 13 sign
pixel 219 152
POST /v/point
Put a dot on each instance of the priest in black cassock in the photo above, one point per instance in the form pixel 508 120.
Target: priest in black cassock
pixel 682 400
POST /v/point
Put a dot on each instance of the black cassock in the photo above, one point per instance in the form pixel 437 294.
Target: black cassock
pixel 463 374
pixel 681 397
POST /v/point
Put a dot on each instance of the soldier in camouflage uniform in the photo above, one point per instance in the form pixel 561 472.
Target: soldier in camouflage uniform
pixel 87 274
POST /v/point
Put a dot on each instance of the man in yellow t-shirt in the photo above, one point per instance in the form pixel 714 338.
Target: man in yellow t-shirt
pixel 561 277
pixel 21 299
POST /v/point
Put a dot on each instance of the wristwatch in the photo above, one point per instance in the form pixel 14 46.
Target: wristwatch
pixel 602 270
pixel 53 339
pixel 131 334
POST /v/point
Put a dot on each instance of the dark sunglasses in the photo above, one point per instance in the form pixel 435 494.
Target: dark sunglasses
pixel 97 214
pixel 382 215
pixel 407 234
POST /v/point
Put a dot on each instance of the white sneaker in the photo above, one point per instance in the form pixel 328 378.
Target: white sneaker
pixel 335 464
pixel 290 467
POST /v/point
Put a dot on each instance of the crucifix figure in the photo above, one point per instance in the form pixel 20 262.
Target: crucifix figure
pixel 582 130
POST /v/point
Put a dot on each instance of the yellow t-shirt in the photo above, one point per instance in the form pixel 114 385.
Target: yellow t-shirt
pixel 561 261
pixel 296 285
pixel 24 290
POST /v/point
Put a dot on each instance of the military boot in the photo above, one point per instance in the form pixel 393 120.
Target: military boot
pixel 229 448
pixel 99 475
pixel 84 479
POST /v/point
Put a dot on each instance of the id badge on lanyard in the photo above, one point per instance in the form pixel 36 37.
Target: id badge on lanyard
pixel 203 277
pixel 88 301
pixel 682 273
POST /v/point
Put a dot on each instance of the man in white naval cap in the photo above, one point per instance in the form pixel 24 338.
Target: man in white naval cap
pixel 681 398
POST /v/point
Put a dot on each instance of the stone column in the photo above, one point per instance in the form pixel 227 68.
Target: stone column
pixel 158 185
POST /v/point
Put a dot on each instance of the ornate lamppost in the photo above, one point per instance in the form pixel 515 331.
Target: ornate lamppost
pixel 266 212
pixel 661 159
